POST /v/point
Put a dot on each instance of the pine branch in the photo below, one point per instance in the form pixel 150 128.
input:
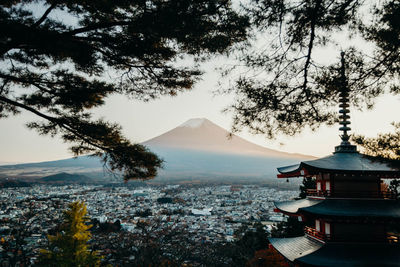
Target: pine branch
pixel 45 14
pixel 97 26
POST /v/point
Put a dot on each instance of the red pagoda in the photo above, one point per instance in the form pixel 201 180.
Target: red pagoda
pixel 349 215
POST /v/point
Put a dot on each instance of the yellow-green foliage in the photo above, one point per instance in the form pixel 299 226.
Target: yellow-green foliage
pixel 69 246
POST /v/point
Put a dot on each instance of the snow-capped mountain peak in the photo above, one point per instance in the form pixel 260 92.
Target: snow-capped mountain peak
pixel 193 123
pixel 203 135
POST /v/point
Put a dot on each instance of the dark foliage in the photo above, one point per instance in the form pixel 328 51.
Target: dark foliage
pixel 384 145
pixel 308 183
pixel 249 241
pixel 287 86
pixel 13 241
pixel 163 200
pixel 267 258
pixel 394 187
pixel 14 249
pixel 8 183
pixel 143 213
pixel 157 244
pixel 62 58
pixel 291 228
pixel 106 227
pixel 153 244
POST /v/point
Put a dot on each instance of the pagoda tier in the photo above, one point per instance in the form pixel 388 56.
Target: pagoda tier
pixel 350 208
pixel 304 251
pixel 345 175
pixel 351 164
pixel 339 220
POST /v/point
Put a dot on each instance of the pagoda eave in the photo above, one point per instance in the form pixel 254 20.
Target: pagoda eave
pixel 293 206
pixel 295 247
pixel 353 254
pixel 306 170
pixel 366 208
pixel 308 252
pixel 341 163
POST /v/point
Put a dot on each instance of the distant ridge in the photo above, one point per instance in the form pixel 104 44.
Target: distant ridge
pixel 64 177
pixel 203 135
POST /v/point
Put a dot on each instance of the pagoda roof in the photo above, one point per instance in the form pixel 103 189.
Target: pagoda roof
pixel 352 162
pixel 305 251
pixel 295 247
pixel 353 254
pixel 376 208
pixel 293 206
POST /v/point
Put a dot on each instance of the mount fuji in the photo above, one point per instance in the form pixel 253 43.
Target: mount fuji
pixel 198 149
pixel 200 134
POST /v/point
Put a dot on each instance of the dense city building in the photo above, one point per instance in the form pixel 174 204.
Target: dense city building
pixel 207 214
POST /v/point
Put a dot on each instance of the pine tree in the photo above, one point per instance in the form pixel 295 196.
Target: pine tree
pixel 62 58
pixel 289 84
pixel 384 145
pixel 69 247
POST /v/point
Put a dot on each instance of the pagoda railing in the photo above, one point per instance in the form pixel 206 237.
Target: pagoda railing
pixel 361 237
pixel 352 194
pixel 316 234
pixel 319 193
pixel 390 237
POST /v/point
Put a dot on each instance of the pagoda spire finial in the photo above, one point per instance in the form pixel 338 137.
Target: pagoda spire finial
pixel 344 111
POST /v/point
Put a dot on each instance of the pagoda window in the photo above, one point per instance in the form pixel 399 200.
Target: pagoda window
pixel 327 228
pixel 318 225
pixel 327 185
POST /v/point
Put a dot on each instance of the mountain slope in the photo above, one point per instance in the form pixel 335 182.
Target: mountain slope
pixel 194 164
pixel 81 165
pixel 203 135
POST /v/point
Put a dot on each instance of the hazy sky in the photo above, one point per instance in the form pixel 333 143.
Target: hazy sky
pixel 142 121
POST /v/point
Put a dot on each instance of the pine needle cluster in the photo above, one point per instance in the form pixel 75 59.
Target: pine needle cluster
pixel 69 247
